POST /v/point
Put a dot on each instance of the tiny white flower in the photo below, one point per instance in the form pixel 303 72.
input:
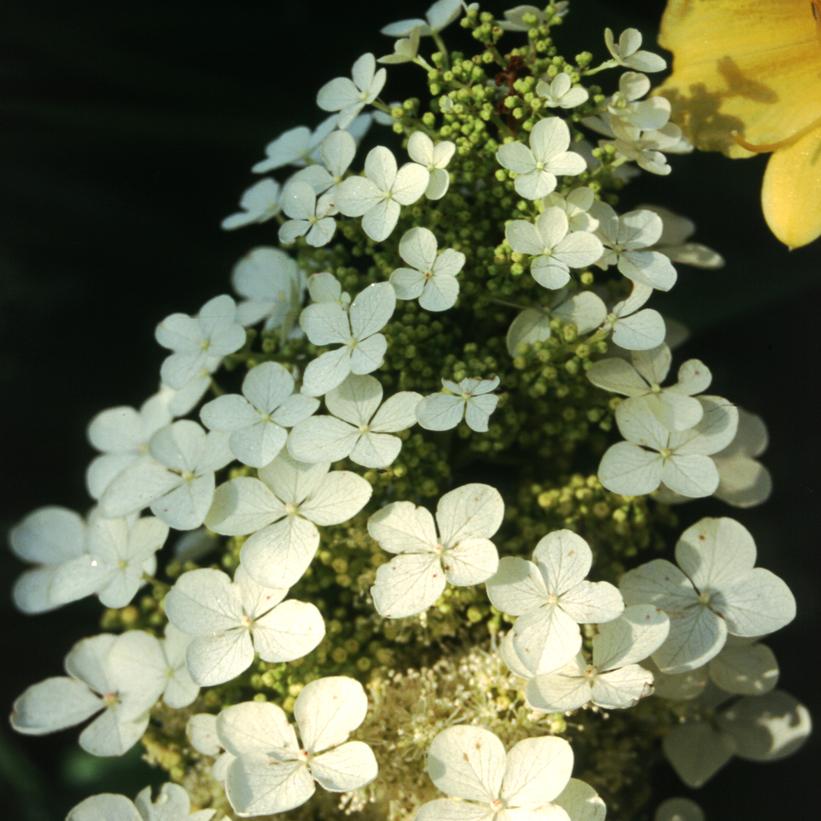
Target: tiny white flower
pixel 455 548
pixel 576 204
pixel 636 328
pixel 198 341
pixel 550 598
pixel 471 399
pixel 628 240
pixel 271 285
pixel 119 552
pixel 743 480
pixel 561 92
pixel 350 96
pixel 647 148
pixel 355 329
pixel 627 51
pixel 717 592
pixel 360 428
pixel 537 167
pixel 172 804
pixel 275 769
pixel 613 680
pixel 405 50
pixel 297 146
pixel 653 455
pixel 432 276
pixel 627 105
pixel 553 247
pixel 640 379
pixel 438 16
pixel 177 482
pixel 232 622
pixel 377 196
pixel 675 241
pixel 282 510
pixel 121 435
pixel 679 809
pixel 310 217
pixel 107 678
pixel 483 782
pixel 435 157
pixel 755 728
pixel 257 420
pixel 524 18
pixel 259 204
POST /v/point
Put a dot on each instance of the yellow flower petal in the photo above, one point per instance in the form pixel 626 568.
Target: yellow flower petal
pixel 791 194
pixel 746 67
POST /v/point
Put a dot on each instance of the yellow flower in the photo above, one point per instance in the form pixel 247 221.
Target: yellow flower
pixel 746 80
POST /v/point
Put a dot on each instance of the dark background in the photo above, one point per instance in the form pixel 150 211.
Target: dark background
pixel 128 131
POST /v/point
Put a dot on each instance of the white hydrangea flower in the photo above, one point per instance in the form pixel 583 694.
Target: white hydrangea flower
pixel 282 509
pixel 172 804
pixel 177 482
pixel 257 420
pixel 628 106
pixel 553 247
pixel 461 552
pixel 471 399
pixel 118 554
pixel 438 16
pixel 435 157
pixel 675 241
pixel 310 216
pixel 743 480
pixel 640 380
pixel 613 680
pixel 325 287
pixel 355 329
pixel 377 196
pixel 647 148
pixel 360 428
pixel 272 286
pixel 576 204
pixel 755 728
pixel 47 538
pixel 717 591
pixel 232 622
pixel 432 277
pixel 627 51
pixel 405 50
pixel 524 18
pixel 258 204
pixel 121 435
pixel 562 92
pixel 199 341
pixel 636 328
pixel 296 146
pixel 349 96
pixel 201 732
pixel 274 769
pixel 550 598
pixel 654 456
pixel 107 678
pixel 679 809
pixel 584 310
pixel 537 167
pixel 483 782
pixel 628 239
pixel 336 154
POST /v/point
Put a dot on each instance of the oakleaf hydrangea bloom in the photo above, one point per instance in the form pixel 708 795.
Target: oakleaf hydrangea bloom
pixel 627 104
pixel 715 591
pixel 576 204
pixel 432 277
pixel 652 455
pixel 309 216
pixel 640 379
pixel 471 399
pixel 231 622
pixel 440 15
pixel 360 428
pixel 561 92
pixel 257 420
pixel 377 196
pixel 554 248
pixel 350 96
pixel 282 509
pixel 259 203
pixel 177 482
pixel 405 50
pixel 296 146
pixel 435 157
pixel 636 328
pixel 537 167
pixel 356 329
pixel 550 598
pixel 172 804
pixel 275 769
pixel 627 51
pixel 455 548
pixel 613 680
pixel 470 765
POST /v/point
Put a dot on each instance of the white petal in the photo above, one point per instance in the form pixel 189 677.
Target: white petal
pixel 467 762
pixel 640 331
pixel 538 770
pixel 697 752
pixel 418 248
pixel 402 527
pixel 440 411
pixel 325 323
pixel 254 727
pixel 546 639
pixel 411 182
pixel 660 583
pixel 716 552
pixel 138 486
pixel 679 809
pixel 562 691
pixel 328 710
pixel 348 767
pixel 592 602
pixel 470 511
pixel 631 638
pixel 259 785
pixel 368 355
pixel 326 371
pixel 623 688
pixel 52 705
pixel 408 584
pixel 523 237
pixel 322 439
pixel 290 631
pixel 258 444
pixel 371 309
pixel 279 555
pixel 581 802
pixel 696 636
pixel 105 807
pixel 446 809
pixel 111 735
pixel 617 376
pixel 756 604
pixel 745 669
pixel 532 325
pixel 186 507
pixel 203 602
pixel 630 470
pixel 243 505
pixel 398 413
pixel 376 450
pixel 691 475
pixel 219 657
pixel 339 497
pixel 564 559
pixel 472 561
pixel 517 586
